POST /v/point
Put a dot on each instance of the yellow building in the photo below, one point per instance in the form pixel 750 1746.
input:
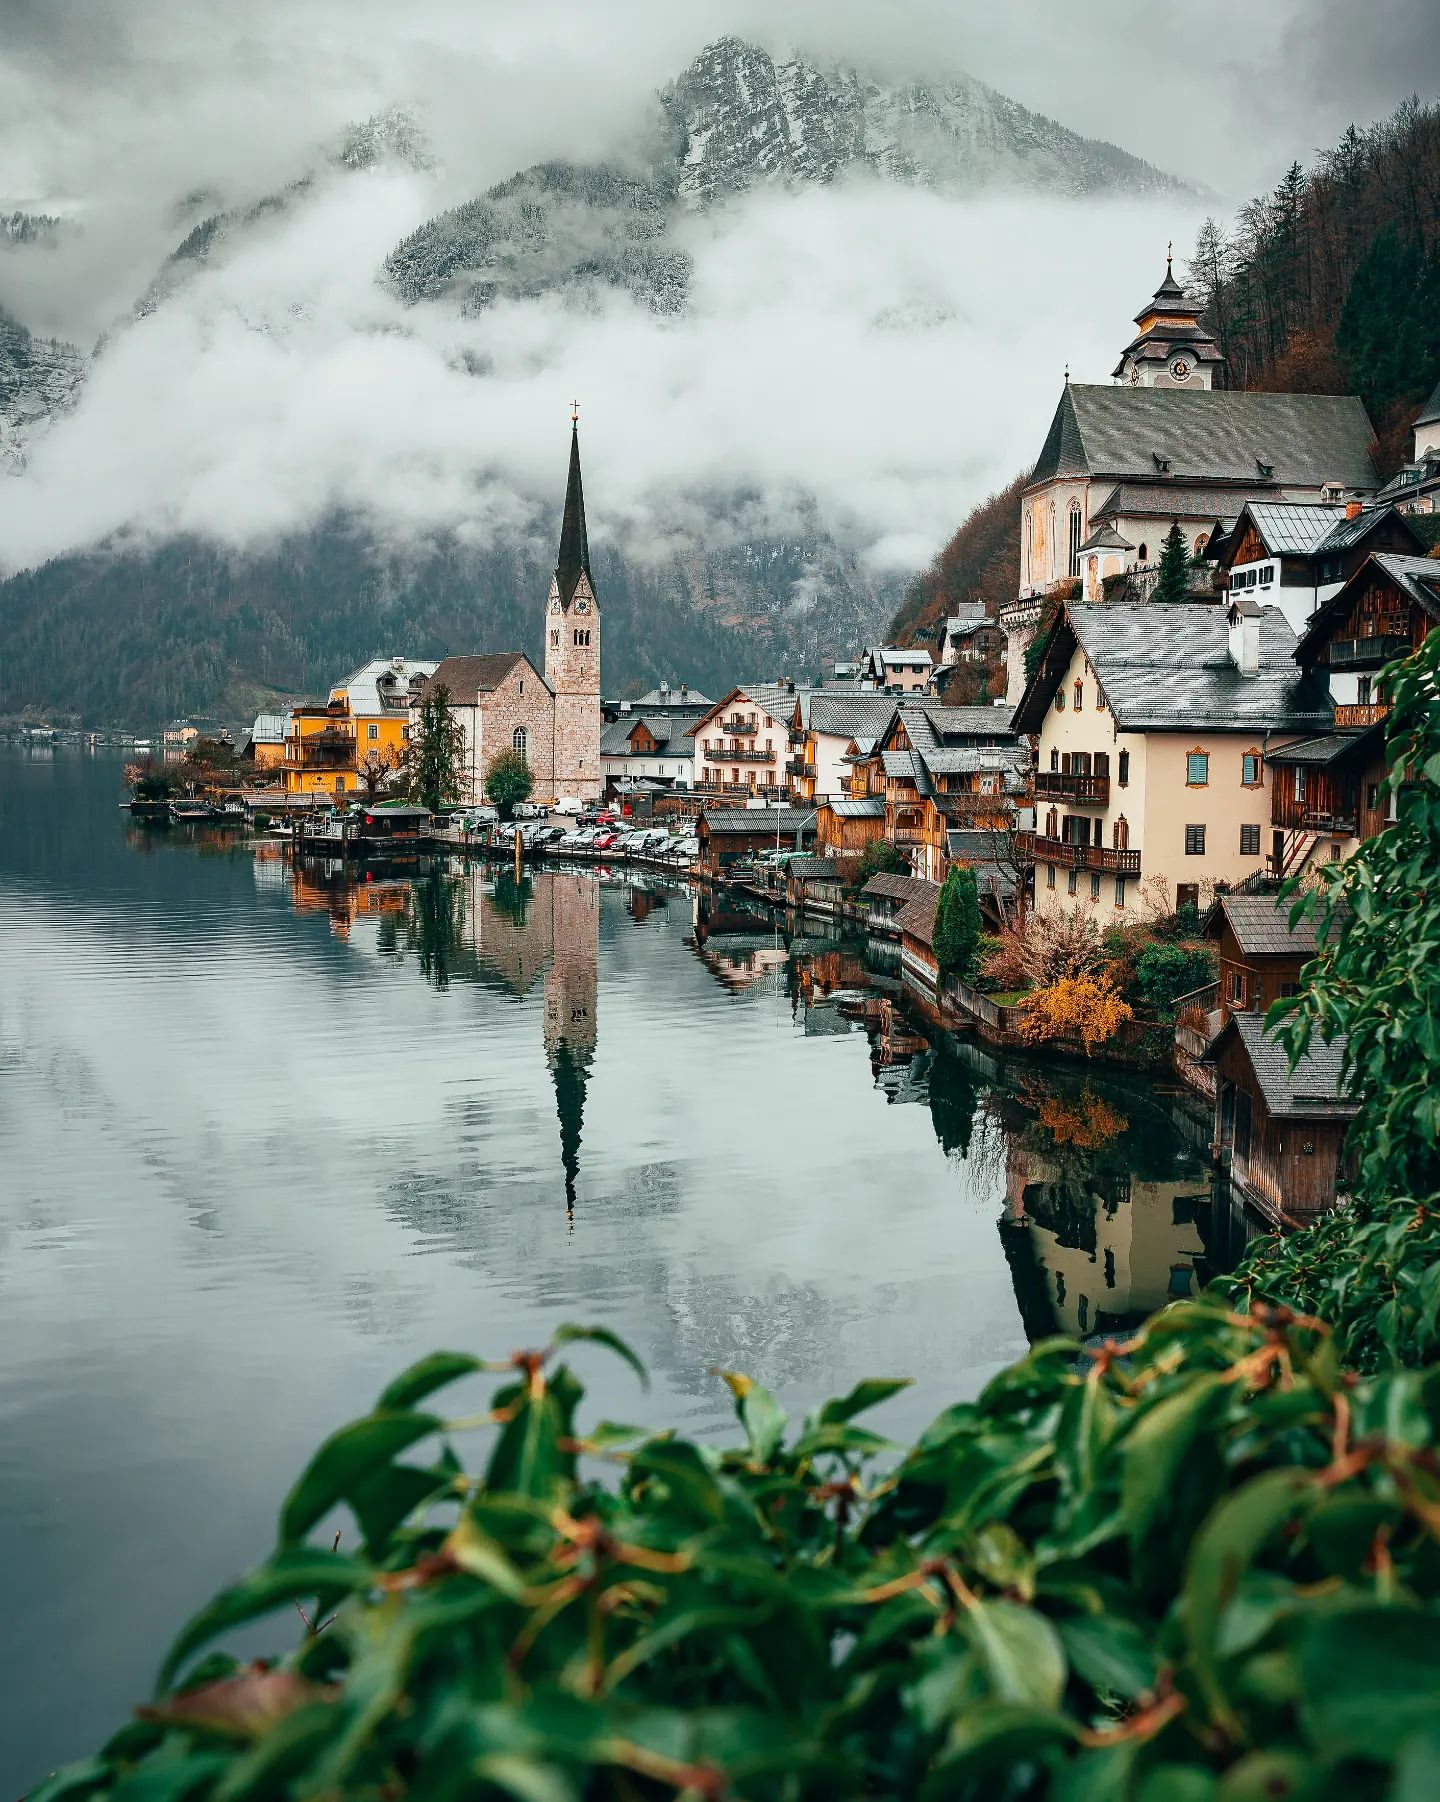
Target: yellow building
pixel 363 727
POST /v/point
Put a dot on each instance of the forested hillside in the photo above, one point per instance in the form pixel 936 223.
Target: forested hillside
pixel 980 563
pixel 129 638
pixel 1331 284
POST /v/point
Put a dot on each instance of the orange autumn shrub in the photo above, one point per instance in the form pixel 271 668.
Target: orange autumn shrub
pixel 1087 1008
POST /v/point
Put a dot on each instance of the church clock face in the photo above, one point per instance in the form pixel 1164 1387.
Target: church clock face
pixel 1180 368
pixel 582 605
pixel 554 606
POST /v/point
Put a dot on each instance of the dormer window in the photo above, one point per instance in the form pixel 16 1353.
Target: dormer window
pixel 1162 464
pixel 1267 470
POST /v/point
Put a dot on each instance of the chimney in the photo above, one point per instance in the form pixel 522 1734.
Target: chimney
pixel 1353 509
pixel 1243 619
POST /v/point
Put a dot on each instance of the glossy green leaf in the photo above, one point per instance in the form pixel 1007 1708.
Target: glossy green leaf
pixel 1370 1678
pixel 345 1461
pixel 424 1377
pixel 292 1574
pixel 599 1335
pixel 1113 1655
pixel 1019 1651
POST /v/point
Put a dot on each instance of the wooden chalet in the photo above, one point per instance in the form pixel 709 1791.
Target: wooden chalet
pixel 1330 786
pixel 1260 956
pixel 1297 555
pixel 1280 1132
pixel 846 824
pixel 948 769
pixel 817 883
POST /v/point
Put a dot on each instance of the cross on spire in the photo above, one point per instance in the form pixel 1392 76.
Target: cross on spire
pixel 574 412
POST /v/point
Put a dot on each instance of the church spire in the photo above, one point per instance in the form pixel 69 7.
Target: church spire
pixel 574 558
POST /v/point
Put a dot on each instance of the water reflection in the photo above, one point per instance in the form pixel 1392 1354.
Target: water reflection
pixel 1108 1207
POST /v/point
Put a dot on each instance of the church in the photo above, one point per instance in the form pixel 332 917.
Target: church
pixel 503 703
pixel 1165 442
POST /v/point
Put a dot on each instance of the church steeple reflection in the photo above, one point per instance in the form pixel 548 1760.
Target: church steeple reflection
pixel 571 985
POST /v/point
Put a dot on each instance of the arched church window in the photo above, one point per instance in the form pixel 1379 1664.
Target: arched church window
pixel 1074 541
pixel 1143 553
pixel 520 740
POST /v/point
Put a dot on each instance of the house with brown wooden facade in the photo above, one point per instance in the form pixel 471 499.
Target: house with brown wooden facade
pixel 1328 789
pixel 1298 555
pixel 1258 953
pixel 1280 1132
pixel 943 769
pixel 734 835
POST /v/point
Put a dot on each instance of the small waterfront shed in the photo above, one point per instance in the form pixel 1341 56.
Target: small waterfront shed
pixel 730 835
pixel 1282 1131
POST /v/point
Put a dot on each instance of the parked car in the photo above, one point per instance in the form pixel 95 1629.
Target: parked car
pixel 529 810
pixel 606 841
pixel 568 805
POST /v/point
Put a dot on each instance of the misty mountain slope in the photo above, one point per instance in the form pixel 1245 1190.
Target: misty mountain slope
pixel 137 636
pixel 743 118
pixel 734 121
pixel 558 226
pixel 393 135
pixel 39 379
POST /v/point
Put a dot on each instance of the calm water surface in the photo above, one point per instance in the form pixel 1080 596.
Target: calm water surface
pixel 266 1136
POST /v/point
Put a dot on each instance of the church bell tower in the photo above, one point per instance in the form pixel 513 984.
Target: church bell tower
pixel 572 646
pixel 1173 349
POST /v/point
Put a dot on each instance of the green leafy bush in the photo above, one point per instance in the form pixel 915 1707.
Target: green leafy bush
pixel 879 858
pixel 1163 972
pixel 1203 1564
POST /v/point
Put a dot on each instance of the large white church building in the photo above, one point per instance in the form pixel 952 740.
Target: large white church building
pixel 1165 442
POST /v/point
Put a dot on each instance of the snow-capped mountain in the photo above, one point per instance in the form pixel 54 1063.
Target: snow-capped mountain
pixel 738 119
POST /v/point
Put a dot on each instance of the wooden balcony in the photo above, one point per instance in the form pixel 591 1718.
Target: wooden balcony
pixel 797 766
pixel 1364 713
pixel 1367 653
pixel 326 750
pixel 1103 858
pixel 1063 785
pixel 908 835
pixel 740 727
pixel 741 754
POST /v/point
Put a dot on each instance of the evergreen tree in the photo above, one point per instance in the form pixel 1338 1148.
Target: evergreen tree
pixel 1173 582
pixel 957 923
pixel 436 753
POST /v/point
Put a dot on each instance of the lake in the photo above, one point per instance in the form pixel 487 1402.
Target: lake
pixel 268 1134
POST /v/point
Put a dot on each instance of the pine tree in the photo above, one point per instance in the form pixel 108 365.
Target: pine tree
pixel 436 753
pixel 957 923
pixel 1173 581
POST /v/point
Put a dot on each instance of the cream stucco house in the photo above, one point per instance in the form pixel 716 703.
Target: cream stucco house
pixel 1153 725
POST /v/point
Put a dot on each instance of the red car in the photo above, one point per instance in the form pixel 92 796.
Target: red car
pixel 604 841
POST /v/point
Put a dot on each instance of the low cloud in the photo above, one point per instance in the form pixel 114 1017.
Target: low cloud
pixel 893 355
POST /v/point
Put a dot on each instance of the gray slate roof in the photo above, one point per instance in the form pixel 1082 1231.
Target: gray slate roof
pixel 1323 747
pixel 1261 924
pixel 673 697
pixel 1106 538
pixel 1220 434
pixel 848 716
pixel 1294 528
pixel 725 822
pixel 813 869
pixel 898 888
pixel 671 732
pixel 1171 500
pixel 858 807
pixel 1168 668
pixel 1312 1091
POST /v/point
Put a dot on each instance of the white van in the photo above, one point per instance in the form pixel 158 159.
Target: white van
pixel 567 804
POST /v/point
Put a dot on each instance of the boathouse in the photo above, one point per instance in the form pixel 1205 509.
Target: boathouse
pixel 1280 1132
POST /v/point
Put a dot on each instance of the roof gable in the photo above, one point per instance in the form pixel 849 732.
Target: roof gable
pixel 470 679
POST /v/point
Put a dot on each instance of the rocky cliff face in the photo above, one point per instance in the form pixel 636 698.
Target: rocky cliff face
pixel 39 379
